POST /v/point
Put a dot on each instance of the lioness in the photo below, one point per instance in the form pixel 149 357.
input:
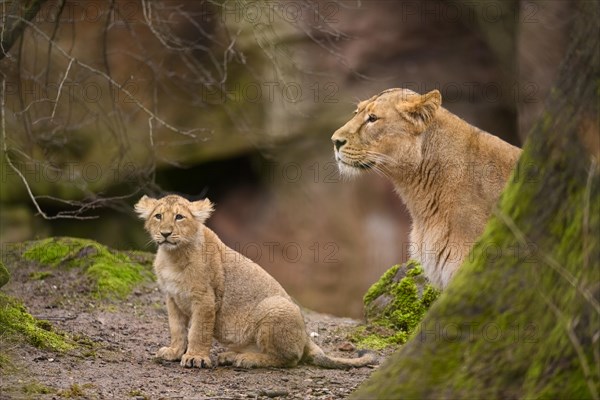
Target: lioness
pixel 448 173
pixel 213 291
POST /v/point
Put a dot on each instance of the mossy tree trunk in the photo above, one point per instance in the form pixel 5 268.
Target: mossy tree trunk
pixel 522 317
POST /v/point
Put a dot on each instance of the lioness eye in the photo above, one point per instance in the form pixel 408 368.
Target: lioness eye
pixel 179 217
pixel 372 118
pixel 158 216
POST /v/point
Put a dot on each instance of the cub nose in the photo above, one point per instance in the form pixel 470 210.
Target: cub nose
pixel 166 234
pixel 338 143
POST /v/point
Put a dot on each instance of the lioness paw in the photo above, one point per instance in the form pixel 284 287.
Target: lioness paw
pixel 170 353
pixel 198 361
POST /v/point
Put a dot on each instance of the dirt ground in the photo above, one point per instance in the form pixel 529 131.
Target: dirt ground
pixel 123 337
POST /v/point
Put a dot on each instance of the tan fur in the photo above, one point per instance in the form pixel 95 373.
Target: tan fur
pixel 449 173
pixel 213 291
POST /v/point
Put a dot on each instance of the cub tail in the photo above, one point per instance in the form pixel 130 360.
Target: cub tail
pixel 313 354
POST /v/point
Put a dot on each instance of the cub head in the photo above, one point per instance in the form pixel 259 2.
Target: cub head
pixel 385 132
pixel 173 221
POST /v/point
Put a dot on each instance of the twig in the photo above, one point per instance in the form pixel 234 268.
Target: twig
pixel 117 85
pixel 14 168
pixel 13 25
pixel 60 86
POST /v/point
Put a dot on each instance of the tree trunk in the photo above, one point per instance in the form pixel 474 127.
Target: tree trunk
pixel 522 317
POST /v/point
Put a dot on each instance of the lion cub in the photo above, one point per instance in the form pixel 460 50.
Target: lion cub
pixel 213 291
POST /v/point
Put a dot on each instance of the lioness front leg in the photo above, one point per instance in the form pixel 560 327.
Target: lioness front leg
pixel 200 335
pixel 178 326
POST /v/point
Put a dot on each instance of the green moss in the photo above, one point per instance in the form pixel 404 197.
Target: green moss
pixel 413 269
pixel 116 278
pixel 50 251
pixel 75 391
pixel 89 354
pixel 379 287
pixel 4 275
pixel 35 388
pixel 138 393
pixel 377 337
pixel 83 340
pixel 113 274
pixel 39 275
pixel 16 322
pixel 4 362
pixel 374 342
pixel 394 307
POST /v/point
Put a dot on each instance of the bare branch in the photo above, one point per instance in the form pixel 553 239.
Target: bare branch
pixel 117 85
pixel 60 86
pixel 15 21
pixel 191 60
pixel 18 171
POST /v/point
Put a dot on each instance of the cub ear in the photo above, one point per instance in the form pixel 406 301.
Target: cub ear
pixel 202 209
pixel 145 206
pixel 421 109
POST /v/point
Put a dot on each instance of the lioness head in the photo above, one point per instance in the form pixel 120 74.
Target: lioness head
pixel 173 221
pixel 385 131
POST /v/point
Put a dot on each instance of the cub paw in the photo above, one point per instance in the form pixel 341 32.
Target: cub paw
pixel 198 361
pixel 226 358
pixel 169 353
pixel 245 361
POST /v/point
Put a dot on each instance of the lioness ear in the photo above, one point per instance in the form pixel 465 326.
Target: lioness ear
pixel 421 109
pixel 202 209
pixel 145 206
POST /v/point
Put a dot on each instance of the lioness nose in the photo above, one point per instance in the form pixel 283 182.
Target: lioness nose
pixel 339 143
pixel 166 234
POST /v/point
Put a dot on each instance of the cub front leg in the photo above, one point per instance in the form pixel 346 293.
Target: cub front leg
pixel 227 357
pixel 178 326
pixel 202 325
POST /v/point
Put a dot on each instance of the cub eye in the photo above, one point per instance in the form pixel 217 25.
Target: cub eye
pixel 179 217
pixel 158 216
pixel 372 118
